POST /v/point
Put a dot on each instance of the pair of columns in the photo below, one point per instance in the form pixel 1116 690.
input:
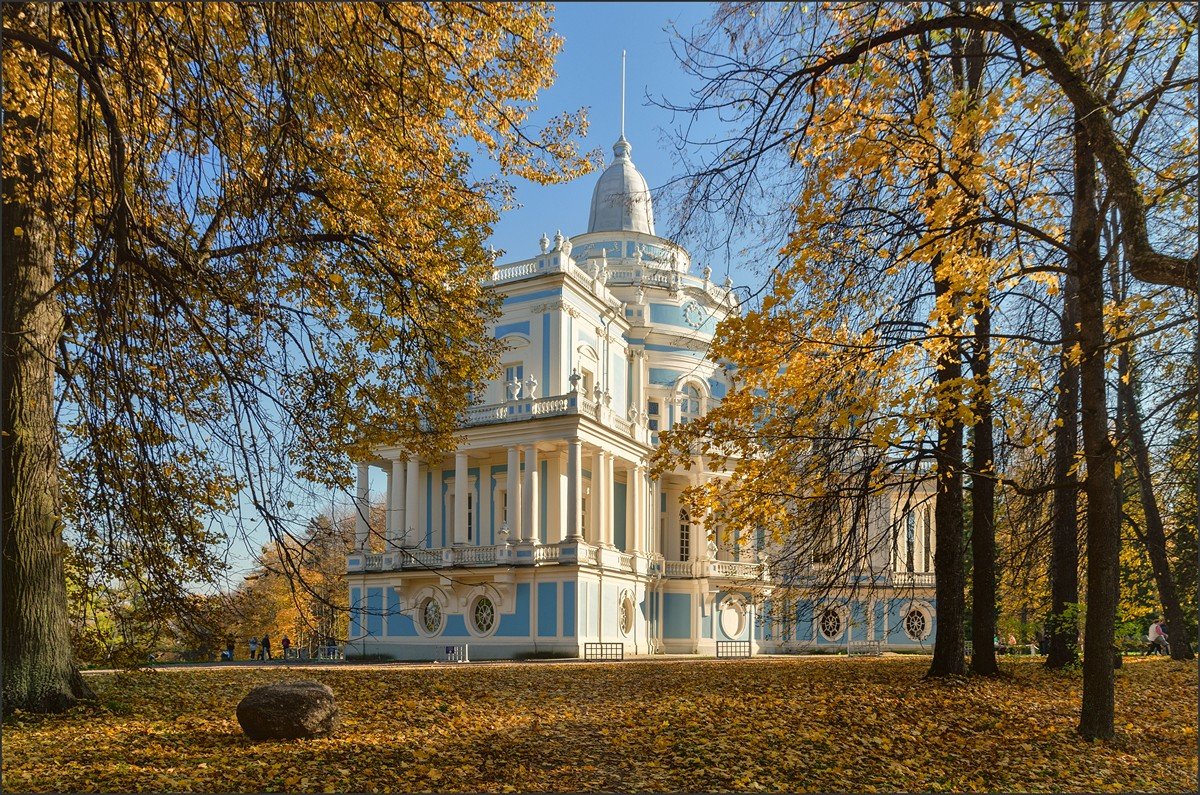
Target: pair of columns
pixel 523 498
pixel 403 504
pixel 637 493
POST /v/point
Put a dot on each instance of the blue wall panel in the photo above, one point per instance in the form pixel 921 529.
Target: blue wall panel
pixel 677 615
pixel 398 624
pixel 516 625
pixel 547 609
pixel 568 609
pixel 356 627
pixel 456 626
pixel 375 612
pixel 534 296
pixel 520 327
pixel 661 376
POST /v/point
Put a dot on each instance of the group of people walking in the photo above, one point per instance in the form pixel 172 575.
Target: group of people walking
pixel 259 649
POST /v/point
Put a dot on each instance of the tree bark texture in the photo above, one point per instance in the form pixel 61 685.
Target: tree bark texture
pixel 949 575
pixel 39 674
pixel 983 508
pixel 1063 631
pixel 1103 531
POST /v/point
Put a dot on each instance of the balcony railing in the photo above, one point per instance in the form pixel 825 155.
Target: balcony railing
pixel 552 406
pixel 580 553
pixel 911 579
pixel 677 568
pixel 737 569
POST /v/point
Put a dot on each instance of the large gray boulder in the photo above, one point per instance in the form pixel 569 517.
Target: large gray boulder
pixel 288 710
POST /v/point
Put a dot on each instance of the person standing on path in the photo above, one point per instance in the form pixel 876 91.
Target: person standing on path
pixel 286 643
pixel 254 648
pixel 1158 638
pixel 266 647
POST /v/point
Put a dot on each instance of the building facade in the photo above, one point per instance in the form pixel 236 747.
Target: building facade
pixel 544 529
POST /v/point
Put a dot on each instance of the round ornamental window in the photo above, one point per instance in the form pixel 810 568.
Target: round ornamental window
pixel 831 624
pixel 916 626
pixel 431 616
pixel 483 615
pixel 693 314
pixel 733 619
pixel 625 614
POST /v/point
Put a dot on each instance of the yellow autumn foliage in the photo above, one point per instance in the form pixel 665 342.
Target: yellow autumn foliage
pixel 769 724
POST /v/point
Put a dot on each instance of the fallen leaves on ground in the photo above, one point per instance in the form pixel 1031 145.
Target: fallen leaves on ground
pixel 767 724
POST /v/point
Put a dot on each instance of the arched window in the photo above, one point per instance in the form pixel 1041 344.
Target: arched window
pixel 689 408
pixel 685 535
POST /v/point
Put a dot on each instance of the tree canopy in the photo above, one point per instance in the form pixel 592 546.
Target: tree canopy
pixel 245 245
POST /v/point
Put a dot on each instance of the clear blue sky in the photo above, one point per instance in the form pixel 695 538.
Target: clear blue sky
pixel 589 75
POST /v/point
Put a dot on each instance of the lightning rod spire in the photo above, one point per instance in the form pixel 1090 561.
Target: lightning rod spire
pixel 622 93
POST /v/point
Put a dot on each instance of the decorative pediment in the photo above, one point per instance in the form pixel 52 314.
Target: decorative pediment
pixel 588 352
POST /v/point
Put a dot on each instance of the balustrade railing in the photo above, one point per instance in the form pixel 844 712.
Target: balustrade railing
pixel 545 554
pixel 912 579
pixel 625 561
pixel 373 562
pixel 677 568
pixel 737 568
pixel 423 558
pixel 469 556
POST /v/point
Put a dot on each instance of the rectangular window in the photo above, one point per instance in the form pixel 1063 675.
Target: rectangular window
pixel 928 541
pixel 910 541
pixel 470 516
pixel 685 535
pixel 653 410
pixel 514 371
pixel 589 381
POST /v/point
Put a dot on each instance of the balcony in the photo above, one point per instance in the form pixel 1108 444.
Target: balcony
pixel 572 553
pixel 572 403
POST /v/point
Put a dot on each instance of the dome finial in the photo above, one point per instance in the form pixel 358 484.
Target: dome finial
pixel 622 95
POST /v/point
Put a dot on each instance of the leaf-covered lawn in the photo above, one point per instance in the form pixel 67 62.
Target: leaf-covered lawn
pixel 763 724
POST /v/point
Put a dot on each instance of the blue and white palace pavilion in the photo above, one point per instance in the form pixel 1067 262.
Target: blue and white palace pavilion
pixel 544 531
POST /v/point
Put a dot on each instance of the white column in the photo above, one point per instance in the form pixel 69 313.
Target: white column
pixel 389 520
pixel 609 499
pixel 362 505
pixel 659 543
pixel 556 490
pixel 396 504
pixel 529 507
pixel 633 508
pixel 574 478
pixel 514 493
pixel 412 504
pixel 595 510
pixel 461 487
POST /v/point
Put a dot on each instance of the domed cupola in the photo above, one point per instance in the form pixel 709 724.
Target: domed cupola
pixel 621 200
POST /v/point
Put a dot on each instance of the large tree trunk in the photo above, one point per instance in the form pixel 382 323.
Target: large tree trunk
pixel 38 670
pixel 949 648
pixel 983 507
pixel 1103 531
pixel 1062 631
pixel 1154 537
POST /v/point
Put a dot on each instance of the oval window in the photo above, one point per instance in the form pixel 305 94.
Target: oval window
pixel 483 615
